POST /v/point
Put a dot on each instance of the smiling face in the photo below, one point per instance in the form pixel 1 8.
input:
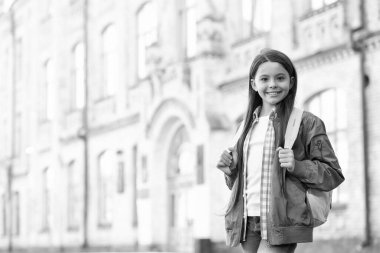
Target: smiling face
pixel 273 83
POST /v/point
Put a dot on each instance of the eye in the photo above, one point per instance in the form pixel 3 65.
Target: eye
pixel 281 78
pixel 263 79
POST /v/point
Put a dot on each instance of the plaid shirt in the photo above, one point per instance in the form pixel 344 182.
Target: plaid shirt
pixel 268 154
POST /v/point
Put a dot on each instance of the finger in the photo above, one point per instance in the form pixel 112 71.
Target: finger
pixel 226 161
pixel 226 158
pixel 285 153
pixel 286 159
pixel 220 165
pixel 227 154
pixel 286 165
pixel 283 161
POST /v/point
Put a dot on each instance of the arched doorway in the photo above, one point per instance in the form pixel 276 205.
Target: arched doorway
pixel 181 162
pixel 171 132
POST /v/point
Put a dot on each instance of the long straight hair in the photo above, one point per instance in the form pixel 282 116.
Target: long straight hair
pixel 283 109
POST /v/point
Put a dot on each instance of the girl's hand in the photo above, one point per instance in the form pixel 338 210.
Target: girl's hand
pixel 286 158
pixel 228 160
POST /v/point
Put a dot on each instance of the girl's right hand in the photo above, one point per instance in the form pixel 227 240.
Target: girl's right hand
pixel 228 160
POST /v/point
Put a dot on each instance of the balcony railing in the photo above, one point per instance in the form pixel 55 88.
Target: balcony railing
pixel 242 56
pixel 322 29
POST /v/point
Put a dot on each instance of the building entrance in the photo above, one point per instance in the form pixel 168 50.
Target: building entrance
pixel 181 180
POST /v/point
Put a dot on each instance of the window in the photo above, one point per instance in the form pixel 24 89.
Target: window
pixel 256 17
pixel 144 175
pixel 45 201
pixel 120 172
pixel 110 66
pixel 73 196
pixel 182 158
pixel 106 187
pixel 330 107
pixel 188 14
pixel 47 7
pixel 134 182
pixel 5 5
pixel 19 59
pixel 147 34
pixel 172 210
pixel 200 165
pixel 46 92
pixel 18 134
pixel 4 214
pixel 78 88
pixel 317 4
pixel 15 213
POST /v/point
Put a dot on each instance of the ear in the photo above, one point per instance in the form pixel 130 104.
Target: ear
pixel 292 81
pixel 253 85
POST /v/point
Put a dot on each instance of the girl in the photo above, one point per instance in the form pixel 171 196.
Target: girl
pixel 267 211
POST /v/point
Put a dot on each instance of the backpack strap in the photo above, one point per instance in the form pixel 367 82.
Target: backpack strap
pixel 237 134
pixel 293 127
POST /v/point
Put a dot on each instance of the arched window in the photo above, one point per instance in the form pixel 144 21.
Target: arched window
pixel 109 61
pixel 188 14
pixel 147 34
pixel 120 171
pixel 78 88
pixel 74 197
pixel 256 16
pixel 107 167
pixel 317 4
pixel 3 214
pixel 45 214
pixel 47 92
pixel 182 154
pixel 330 106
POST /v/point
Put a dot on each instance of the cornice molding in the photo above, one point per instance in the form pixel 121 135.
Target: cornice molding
pixel 324 57
pixel 111 126
pixel 372 42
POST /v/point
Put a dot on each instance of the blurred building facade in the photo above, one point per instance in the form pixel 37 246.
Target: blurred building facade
pixel 114 113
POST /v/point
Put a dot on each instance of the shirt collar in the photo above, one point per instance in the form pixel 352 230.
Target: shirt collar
pixel 256 113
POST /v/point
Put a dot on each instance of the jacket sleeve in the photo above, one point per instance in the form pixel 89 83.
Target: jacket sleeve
pixel 320 168
pixel 230 179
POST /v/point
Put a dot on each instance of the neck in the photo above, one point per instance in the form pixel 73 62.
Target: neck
pixel 266 110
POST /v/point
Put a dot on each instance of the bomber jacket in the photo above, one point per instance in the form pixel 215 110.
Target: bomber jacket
pixel 289 218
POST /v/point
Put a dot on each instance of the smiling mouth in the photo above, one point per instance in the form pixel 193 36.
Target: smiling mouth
pixel 273 93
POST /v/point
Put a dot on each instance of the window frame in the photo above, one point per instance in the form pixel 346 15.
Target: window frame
pixel 46 92
pixel 187 29
pixel 320 4
pixel 145 36
pixel 259 21
pixel 45 199
pixel 73 209
pixel 77 89
pixel 109 61
pixel 106 191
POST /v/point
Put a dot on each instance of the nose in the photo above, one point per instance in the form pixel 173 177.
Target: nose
pixel 272 83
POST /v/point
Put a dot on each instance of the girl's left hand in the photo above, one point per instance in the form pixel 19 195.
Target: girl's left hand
pixel 286 158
